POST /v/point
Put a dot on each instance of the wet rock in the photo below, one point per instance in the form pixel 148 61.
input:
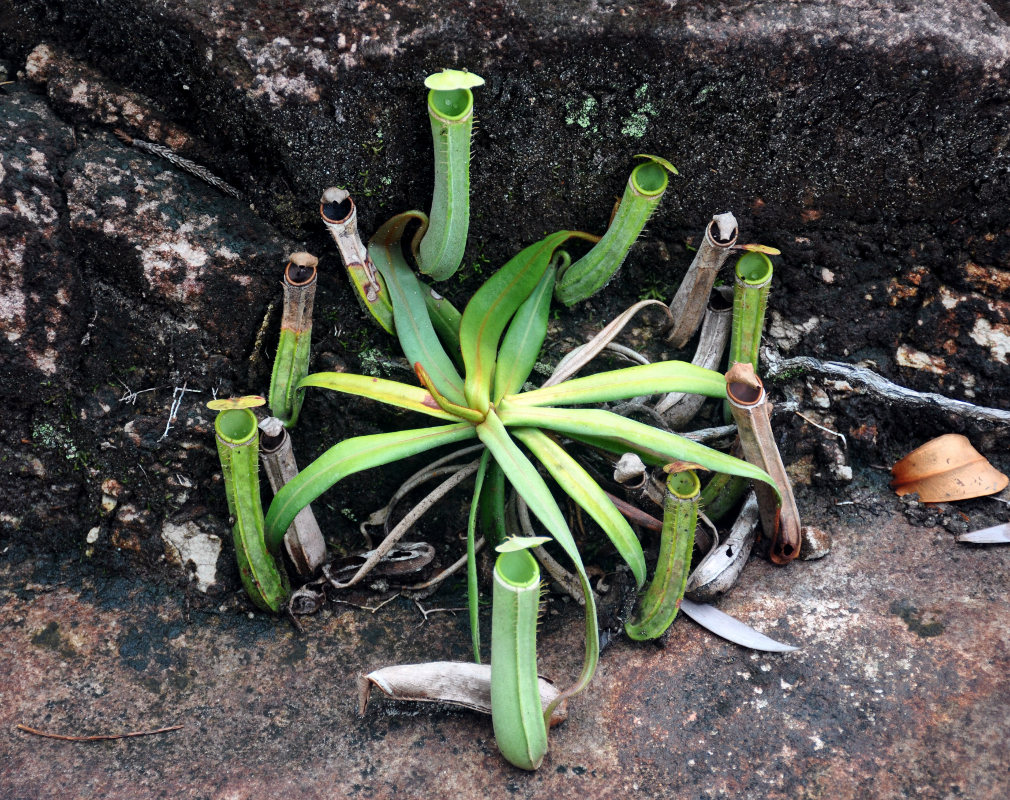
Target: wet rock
pixel 816 543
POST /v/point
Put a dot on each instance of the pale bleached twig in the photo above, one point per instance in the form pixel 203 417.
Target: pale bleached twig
pixel 177 396
pixel 406 523
pixel 777 367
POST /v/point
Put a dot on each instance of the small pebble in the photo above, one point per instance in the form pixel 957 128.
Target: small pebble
pixel 816 543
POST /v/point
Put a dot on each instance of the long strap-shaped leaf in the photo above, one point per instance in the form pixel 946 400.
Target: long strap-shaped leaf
pixel 527 481
pixel 619 384
pixel 490 309
pixel 413 398
pixel 523 339
pixel 472 592
pixel 346 458
pixel 581 487
pixel 414 330
pixel 630 436
pixel 445 319
pixel 492 505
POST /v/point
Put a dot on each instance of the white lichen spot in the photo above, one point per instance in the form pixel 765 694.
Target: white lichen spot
pixel 827 275
pixel 37 210
pixel 907 356
pixel 227 253
pixel 13 312
pixel 818 742
pixel 38 61
pixel 950 299
pixel 161 264
pixel 190 547
pixel 995 337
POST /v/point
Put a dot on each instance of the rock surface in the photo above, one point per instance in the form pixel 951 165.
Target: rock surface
pixel 898 689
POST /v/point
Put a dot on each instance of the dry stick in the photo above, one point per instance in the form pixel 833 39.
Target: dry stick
pixel 841 436
pixel 426 611
pixel 303 540
pixel 450 570
pixel 406 523
pixel 628 353
pixel 100 738
pixel 680 408
pixel 582 355
pixel 749 404
pixel 711 436
pixel 370 609
pixel 635 515
pixel 777 367
pixel 432 470
pixel 688 306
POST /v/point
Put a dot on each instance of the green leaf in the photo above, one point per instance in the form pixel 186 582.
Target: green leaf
pixel 524 338
pixel 264 580
pixel 410 314
pixel 445 319
pixel 492 505
pixel 413 398
pixel 626 435
pixel 520 729
pixel 490 310
pixel 620 384
pixel 290 365
pixel 581 487
pixel 440 252
pixel 595 269
pixel 472 590
pixel 348 457
pixel 527 481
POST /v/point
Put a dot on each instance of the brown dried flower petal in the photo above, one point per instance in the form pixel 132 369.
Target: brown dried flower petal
pixel 947 468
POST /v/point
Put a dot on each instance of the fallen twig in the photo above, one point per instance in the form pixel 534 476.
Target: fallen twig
pixel 370 609
pixel 426 611
pixel 406 523
pixel 105 737
pixel 777 367
pixel 447 572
